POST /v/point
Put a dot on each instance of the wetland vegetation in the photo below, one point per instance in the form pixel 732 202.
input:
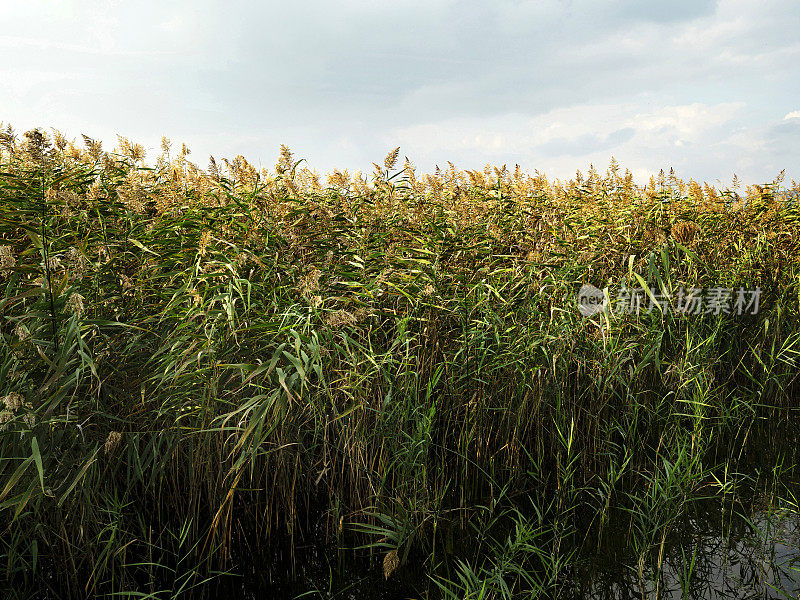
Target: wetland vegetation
pixel 262 384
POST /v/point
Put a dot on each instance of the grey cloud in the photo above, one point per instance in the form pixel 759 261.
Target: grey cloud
pixel 783 141
pixel 308 73
pixel 662 12
pixel 462 58
pixel 586 144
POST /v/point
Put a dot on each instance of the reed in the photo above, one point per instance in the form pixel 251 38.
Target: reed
pixel 203 369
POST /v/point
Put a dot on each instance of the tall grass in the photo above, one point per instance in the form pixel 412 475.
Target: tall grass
pixel 207 369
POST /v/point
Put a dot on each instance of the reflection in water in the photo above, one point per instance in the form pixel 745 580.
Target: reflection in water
pixel 711 553
pixel 757 557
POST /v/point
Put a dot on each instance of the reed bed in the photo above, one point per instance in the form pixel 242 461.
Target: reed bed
pixel 206 372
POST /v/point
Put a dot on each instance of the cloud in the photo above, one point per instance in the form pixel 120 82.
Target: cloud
pixel 586 143
pixel 795 114
pixel 697 84
pixel 704 141
pixel 781 139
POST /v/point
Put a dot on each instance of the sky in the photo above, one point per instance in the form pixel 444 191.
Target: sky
pixel 709 88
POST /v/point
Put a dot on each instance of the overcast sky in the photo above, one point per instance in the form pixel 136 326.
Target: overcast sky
pixel 710 88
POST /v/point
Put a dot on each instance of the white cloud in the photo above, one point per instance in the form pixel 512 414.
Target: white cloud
pixel 687 120
pixel 551 85
pixel 704 141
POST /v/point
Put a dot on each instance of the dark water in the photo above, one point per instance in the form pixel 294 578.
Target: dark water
pixel 340 575
pixel 727 557
pixel 710 554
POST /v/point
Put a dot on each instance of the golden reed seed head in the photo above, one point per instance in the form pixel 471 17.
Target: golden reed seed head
pixel 93 147
pixel 7 260
pixel 286 160
pixel 77 262
pixel 213 169
pixel 685 232
pixel 363 312
pixel 12 401
pixel 75 303
pixel 203 243
pixel 391 159
pixel 54 263
pixel 339 179
pixel 112 441
pixel 22 333
pixel 339 318
pixel 309 284
pixel 391 562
